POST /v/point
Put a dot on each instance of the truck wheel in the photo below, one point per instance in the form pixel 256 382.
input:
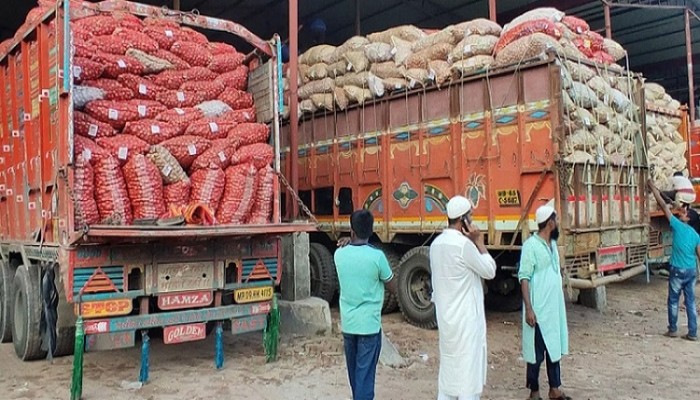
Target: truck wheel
pixel 6 278
pixel 324 278
pixel 26 313
pixel 415 288
pixel 65 342
pixel 504 295
pixel 391 304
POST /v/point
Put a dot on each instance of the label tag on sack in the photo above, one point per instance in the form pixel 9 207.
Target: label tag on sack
pixel 123 153
pixel 606 99
pixel 143 89
pixel 180 96
pixel 87 154
pixel 92 130
pixel 113 114
pixel 167 170
pixel 222 156
pixel 121 64
pixel 142 110
pixel 393 51
pixel 214 127
pixel 467 49
pixel 77 71
pixel 192 149
pixel 180 111
pixel 169 33
pixel 155 129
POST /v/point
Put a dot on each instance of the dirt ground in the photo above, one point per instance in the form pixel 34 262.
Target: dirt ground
pixel 616 355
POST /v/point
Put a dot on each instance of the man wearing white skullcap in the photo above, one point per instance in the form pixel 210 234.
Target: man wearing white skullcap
pixel 458 262
pixel 544 313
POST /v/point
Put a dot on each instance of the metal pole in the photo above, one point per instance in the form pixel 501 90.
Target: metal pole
pixel 293 103
pixel 608 24
pixel 492 10
pixel 358 18
pixel 176 5
pixel 689 59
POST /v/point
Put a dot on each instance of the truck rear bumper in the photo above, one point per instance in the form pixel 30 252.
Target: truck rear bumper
pixel 578 283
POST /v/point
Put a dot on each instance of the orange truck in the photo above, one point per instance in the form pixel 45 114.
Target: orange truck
pixel 65 287
pixel 494 137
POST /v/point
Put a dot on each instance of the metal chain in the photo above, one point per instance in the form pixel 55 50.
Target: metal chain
pixel 296 197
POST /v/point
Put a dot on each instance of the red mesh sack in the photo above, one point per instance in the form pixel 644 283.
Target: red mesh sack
pixel 87 148
pixel 545 26
pixel 180 98
pixel 165 36
pixel 176 61
pixel 113 89
pixel 186 148
pixel 116 65
pixel 145 188
pixel 589 43
pixel 84 69
pixel 250 132
pixel 173 79
pixel 128 21
pixel 207 187
pixel 81 36
pixel 147 108
pixel 239 116
pixel 602 57
pixel 258 154
pixel 199 74
pixel 217 48
pixel 575 24
pixel 239 194
pixel 86 212
pixel 141 87
pixel 82 49
pixel 111 193
pixel 218 155
pixel 193 53
pixel 151 131
pixel 109 44
pixel 191 35
pixel 236 79
pixel 262 205
pixel 123 147
pixel 210 128
pixel 237 99
pixel 226 62
pixel 209 89
pixel 136 40
pixel 177 194
pixel 152 21
pixel 85 125
pixel 181 117
pixel 97 25
pixel 115 113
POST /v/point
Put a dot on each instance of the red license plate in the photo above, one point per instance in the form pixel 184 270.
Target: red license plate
pixel 184 333
pixel 176 301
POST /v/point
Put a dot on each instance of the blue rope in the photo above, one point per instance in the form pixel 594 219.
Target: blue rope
pixel 145 349
pixel 219 345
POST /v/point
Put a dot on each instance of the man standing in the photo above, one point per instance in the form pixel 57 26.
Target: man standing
pixel 544 315
pixel 458 262
pixel 362 272
pixel 683 272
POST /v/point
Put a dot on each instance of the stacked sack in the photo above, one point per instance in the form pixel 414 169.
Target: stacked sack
pixel 162 123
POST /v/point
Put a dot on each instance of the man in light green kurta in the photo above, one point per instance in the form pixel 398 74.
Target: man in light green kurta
pixel 544 313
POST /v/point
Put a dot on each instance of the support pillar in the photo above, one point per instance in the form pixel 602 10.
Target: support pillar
pixel 296 270
pixel 689 60
pixel 492 11
pixel 293 209
pixel 608 23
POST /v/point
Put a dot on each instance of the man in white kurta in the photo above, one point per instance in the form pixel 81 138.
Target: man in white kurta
pixel 458 262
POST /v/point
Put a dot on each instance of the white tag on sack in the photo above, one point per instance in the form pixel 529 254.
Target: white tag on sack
pixel 169 33
pixel 180 96
pixel 467 49
pixel 121 64
pixel 77 71
pixel 92 130
pixel 155 129
pixel 222 156
pixel 213 127
pixel 87 154
pixel 143 89
pixel 113 114
pixel 192 149
pixel 180 111
pixel 167 170
pixel 142 110
pixel 123 153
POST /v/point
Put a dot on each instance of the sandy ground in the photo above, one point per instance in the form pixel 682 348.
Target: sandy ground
pixel 616 355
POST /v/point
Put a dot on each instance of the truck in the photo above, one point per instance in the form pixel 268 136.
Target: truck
pixel 67 287
pixel 496 137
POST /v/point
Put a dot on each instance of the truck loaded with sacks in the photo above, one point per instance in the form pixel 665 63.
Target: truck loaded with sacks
pixel 512 118
pixel 139 181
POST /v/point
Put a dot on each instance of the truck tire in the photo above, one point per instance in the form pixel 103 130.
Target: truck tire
pixel 324 278
pixel 6 283
pixel 503 295
pixel 26 313
pixel 415 288
pixel 65 342
pixel 391 303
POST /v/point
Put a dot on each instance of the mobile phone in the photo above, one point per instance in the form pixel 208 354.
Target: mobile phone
pixel 466 223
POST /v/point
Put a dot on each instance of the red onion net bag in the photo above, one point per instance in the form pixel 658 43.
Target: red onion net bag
pixel 262 205
pixel 85 125
pixel 194 54
pixel 210 128
pixel 249 133
pixel 110 192
pixel 114 113
pixel 186 148
pixel 122 147
pixel 152 131
pixel 145 187
pixel 177 194
pixel 239 194
pixel 181 117
pixel 258 154
pixel 219 154
pixel 208 187
pixel 237 99
pixel 87 148
pixel 86 211
pixel 236 79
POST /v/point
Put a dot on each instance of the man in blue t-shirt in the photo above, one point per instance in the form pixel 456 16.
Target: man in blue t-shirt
pixel 683 273
pixel 363 271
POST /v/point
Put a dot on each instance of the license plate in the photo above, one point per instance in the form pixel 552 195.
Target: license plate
pixel 250 295
pixel 176 301
pixel 184 333
pixel 185 276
